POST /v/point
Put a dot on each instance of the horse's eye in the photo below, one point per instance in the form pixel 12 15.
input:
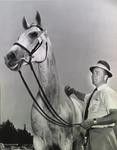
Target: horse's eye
pixel 33 34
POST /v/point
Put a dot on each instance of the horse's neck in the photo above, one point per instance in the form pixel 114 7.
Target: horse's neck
pixel 49 78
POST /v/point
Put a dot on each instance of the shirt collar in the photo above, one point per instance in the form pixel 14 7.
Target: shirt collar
pixel 102 86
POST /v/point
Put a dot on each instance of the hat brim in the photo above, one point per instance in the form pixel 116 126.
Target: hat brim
pixel 108 72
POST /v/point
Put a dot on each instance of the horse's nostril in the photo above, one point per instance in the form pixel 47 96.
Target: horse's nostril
pixel 11 55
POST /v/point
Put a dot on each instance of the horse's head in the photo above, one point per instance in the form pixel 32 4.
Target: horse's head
pixel 31 46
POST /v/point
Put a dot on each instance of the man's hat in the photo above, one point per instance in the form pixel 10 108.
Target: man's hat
pixel 103 65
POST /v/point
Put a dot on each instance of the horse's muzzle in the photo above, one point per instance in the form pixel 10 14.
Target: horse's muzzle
pixel 11 61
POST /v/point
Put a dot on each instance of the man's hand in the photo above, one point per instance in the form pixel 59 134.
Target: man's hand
pixel 87 124
pixel 68 90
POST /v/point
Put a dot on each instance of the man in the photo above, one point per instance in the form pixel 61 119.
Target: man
pixel 101 109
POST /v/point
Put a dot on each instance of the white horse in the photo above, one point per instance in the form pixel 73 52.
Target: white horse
pixel 50 131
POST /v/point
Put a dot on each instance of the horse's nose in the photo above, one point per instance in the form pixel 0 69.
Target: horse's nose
pixel 11 55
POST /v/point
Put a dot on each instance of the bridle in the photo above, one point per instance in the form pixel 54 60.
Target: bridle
pixel 33 50
pixel 57 120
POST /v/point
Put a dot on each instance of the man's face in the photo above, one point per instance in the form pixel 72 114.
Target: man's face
pixel 99 76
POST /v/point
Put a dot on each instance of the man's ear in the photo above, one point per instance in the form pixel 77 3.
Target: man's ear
pixel 106 77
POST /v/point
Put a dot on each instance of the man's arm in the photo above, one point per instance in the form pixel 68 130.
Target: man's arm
pixel 106 120
pixel 109 119
pixel 78 94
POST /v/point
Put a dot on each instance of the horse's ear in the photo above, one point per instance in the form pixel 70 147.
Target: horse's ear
pixel 38 18
pixel 25 24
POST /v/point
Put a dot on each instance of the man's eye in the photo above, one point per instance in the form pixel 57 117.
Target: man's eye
pixel 18 38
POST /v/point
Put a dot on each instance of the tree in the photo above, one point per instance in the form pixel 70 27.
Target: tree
pixel 10 135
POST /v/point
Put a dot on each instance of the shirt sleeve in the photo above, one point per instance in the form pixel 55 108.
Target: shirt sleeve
pixel 110 99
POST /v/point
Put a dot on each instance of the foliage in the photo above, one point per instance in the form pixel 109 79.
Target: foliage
pixel 9 134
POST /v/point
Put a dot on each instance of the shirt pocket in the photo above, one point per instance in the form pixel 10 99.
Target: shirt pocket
pixel 95 105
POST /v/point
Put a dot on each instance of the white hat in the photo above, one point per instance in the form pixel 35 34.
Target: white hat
pixel 103 65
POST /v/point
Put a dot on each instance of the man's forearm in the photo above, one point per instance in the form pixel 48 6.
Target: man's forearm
pixel 79 95
pixel 109 119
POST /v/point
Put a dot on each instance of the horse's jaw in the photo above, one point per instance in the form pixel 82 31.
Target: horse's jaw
pixel 40 55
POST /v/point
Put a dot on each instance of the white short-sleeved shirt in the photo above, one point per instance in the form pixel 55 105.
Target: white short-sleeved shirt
pixel 101 102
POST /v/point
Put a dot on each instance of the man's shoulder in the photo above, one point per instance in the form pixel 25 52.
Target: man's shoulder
pixel 108 91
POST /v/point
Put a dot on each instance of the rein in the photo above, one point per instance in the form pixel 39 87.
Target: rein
pixel 57 119
pixel 40 110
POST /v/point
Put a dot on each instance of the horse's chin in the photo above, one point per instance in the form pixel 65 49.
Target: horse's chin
pixel 16 67
pixel 13 65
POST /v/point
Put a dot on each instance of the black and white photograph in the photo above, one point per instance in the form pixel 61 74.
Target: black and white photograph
pixel 58 74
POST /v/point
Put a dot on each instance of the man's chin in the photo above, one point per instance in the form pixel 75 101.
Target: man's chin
pixel 94 83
